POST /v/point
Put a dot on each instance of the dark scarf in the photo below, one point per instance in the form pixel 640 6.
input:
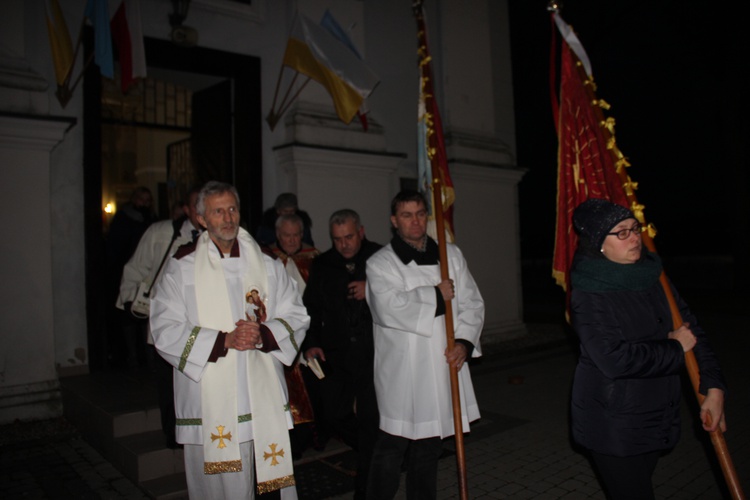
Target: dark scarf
pixel 602 275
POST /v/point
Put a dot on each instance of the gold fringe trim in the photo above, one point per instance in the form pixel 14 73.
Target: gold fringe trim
pixel 276 484
pixel 222 467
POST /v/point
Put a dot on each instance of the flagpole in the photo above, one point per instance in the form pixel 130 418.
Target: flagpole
pixel 437 190
pixel 437 208
pixel 717 436
pixel 284 106
pixel 65 91
pixel 273 115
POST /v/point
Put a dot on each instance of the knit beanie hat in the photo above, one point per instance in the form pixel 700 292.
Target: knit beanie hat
pixel 594 218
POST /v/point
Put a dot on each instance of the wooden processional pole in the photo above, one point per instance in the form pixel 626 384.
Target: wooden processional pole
pixel 437 196
pixel 435 156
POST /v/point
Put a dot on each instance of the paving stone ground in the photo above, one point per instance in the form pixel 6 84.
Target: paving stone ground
pixel 519 449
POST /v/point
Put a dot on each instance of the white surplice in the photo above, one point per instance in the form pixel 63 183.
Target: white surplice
pixel 412 379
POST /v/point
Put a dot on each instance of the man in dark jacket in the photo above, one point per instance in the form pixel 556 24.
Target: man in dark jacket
pixel 340 337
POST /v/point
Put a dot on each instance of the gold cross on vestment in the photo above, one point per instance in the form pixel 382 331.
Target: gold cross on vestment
pixel 221 437
pixel 273 454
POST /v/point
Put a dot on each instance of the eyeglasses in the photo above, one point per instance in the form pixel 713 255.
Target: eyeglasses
pixel 624 234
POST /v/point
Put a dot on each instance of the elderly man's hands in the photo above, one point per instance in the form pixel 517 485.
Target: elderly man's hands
pixel 245 337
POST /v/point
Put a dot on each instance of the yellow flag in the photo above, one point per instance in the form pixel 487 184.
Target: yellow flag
pixel 316 53
pixel 59 41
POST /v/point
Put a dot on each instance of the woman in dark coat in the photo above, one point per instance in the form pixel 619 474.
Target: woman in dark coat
pixel 625 405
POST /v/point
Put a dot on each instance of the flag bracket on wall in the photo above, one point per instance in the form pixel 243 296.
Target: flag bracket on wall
pixel 124 27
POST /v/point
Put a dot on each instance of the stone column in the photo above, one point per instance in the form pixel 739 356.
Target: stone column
pixel 474 79
pixel 29 388
pixel 332 166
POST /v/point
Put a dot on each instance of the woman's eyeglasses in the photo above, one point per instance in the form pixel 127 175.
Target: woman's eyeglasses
pixel 624 234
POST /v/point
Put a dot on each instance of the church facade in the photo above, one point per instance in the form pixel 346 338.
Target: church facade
pixel 58 189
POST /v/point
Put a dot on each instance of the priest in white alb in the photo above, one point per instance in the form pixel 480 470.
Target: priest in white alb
pixel 228 317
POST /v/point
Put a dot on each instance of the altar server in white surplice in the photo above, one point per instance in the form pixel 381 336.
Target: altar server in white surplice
pixel 227 317
pixel 407 298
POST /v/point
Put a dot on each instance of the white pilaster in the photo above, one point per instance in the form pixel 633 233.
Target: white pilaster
pixel 487 231
pixel 327 180
pixel 29 387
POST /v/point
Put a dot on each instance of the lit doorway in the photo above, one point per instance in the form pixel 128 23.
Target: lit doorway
pixel 197 117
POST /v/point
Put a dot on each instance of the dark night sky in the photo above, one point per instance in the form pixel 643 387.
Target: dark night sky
pixel 671 72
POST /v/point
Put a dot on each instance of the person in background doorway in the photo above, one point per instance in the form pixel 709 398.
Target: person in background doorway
pixel 158 243
pixel 297 257
pixel 125 230
pixel 285 204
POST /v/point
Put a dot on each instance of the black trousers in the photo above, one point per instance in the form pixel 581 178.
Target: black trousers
pixel 334 399
pixel 368 419
pixel 164 373
pixel 421 456
pixel 627 478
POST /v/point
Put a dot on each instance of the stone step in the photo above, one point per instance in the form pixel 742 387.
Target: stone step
pixel 143 457
pixel 107 406
pixel 118 415
pixel 173 487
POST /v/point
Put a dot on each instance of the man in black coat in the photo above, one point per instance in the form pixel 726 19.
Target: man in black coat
pixel 340 337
